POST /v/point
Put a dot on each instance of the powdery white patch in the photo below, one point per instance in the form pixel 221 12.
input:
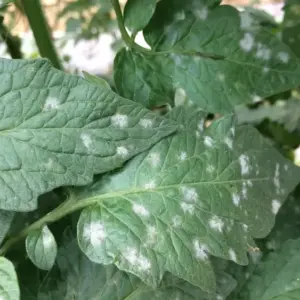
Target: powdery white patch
pixel 49 164
pixel 256 98
pixel 220 76
pixel 216 223
pixel 189 194
pixel 249 183
pixel 275 206
pixel 154 159
pixel 232 255
pixel 122 151
pixel 244 164
pixel 202 13
pixel 150 185
pixel 283 57
pixel 187 208
pixel 208 141
pixel 219 297
pixel 246 20
pixel 183 156
pixel 210 168
pixel 180 15
pixel 140 210
pixel 276 178
pixel 86 140
pixel 176 221
pixel 51 103
pixel 137 260
pixel 263 52
pixel 146 123
pixel 229 142
pixel 244 189
pixel 247 42
pixel 151 234
pixel 94 232
pixel 245 227
pixel 201 125
pixel 200 250
pixel 236 199
pixel 119 120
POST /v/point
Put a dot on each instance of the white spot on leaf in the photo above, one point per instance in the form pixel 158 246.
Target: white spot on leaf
pixel 263 52
pixel 229 142
pixel 119 120
pixel 216 223
pixel 208 141
pixel 176 221
pixel 275 206
pixel 137 260
pixel 200 250
pixel 202 13
pixel 154 159
pixel 150 185
pixel 246 20
pixel 247 42
pixel 146 123
pixel 122 151
pixel 183 156
pixel 86 140
pixel 244 164
pixel 186 207
pixel 256 98
pixel 236 199
pixel 283 57
pixel 94 232
pixel 51 103
pixel 140 210
pixel 189 194
pixel 232 255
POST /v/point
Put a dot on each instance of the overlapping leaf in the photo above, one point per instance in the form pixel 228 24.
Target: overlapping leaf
pixel 6 218
pixel 9 288
pixel 214 54
pixel 57 129
pixel 199 192
pixel 278 277
pixel 79 278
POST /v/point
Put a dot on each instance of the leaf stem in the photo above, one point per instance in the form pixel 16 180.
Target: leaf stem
pixel 40 28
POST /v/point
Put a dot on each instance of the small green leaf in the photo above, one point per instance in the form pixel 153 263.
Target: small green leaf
pixel 97 80
pixel 277 277
pixel 41 248
pixel 9 287
pixel 6 218
pixel 137 13
pixel 214 54
pixel 198 192
pixel 57 129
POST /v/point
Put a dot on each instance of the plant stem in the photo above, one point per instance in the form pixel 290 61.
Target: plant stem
pixel 40 28
pixel 12 42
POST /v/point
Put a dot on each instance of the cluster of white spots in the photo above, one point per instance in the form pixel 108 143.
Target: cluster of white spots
pixel 183 155
pixel 122 151
pixel 236 199
pixel 256 98
pixel 232 255
pixel 51 103
pixel 249 183
pixel 201 125
pixel 186 207
pixel 86 140
pixel 246 20
pixel 220 76
pixel 200 250
pixel 229 142
pixel 189 194
pixel 276 178
pixel 95 232
pixel 180 15
pixel 244 164
pixel 146 123
pixel 151 234
pixel 154 159
pixel 263 52
pixel 210 168
pixel 150 185
pixel 202 13
pixel 137 260
pixel 208 141
pixel 247 42
pixel 244 189
pixel 283 57
pixel 140 210
pixel 216 223
pixel 275 206
pixel 266 69
pixel 176 221
pixel 119 120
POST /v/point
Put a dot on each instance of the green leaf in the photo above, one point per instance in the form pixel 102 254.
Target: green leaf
pixel 6 218
pixel 9 288
pixel 96 80
pixel 41 248
pixel 277 277
pixel 79 278
pixel 213 54
pixel 57 129
pixel 137 14
pixel 198 192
